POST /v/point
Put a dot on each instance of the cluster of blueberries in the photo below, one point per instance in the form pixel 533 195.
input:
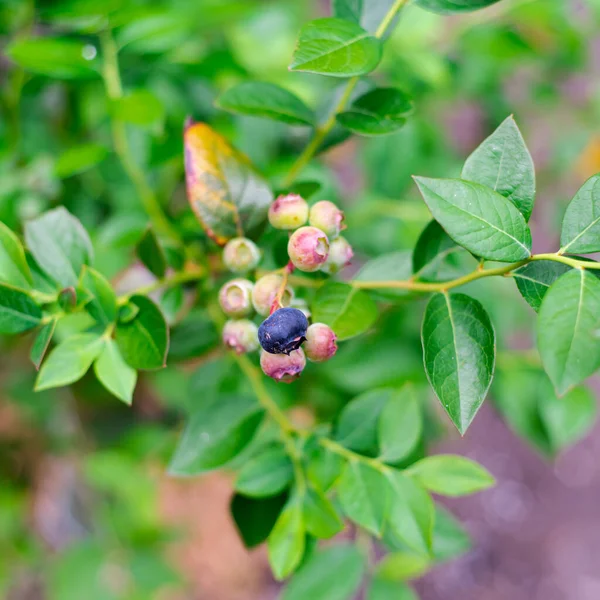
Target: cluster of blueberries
pixel 285 335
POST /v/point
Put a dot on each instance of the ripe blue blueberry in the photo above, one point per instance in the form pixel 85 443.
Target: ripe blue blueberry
pixel 284 331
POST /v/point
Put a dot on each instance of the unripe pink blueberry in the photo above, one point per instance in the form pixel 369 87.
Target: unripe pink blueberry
pixel 288 212
pixel 327 217
pixel 265 291
pixel 283 367
pixel 308 248
pixel 320 342
pixel 240 335
pixel 235 298
pixel 241 255
pixel 340 255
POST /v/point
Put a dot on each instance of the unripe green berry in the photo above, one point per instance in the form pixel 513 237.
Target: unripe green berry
pixel 320 342
pixel 265 291
pixel 327 217
pixel 241 255
pixel 240 335
pixel 340 255
pixel 308 248
pixel 235 298
pixel 283 367
pixel 288 212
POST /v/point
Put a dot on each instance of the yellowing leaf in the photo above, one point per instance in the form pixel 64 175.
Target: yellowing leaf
pixel 227 195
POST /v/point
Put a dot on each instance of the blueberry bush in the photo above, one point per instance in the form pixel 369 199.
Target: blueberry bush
pixel 162 211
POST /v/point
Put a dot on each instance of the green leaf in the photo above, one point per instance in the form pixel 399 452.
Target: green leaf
pixel 151 254
pixel 140 107
pixel 570 418
pixel 144 341
pixel 534 279
pixel 13 264
pixel 172 303
pixel 59 244
pixel 530 405
pixel 18 311
pixel 382 589
pixel 378 112
pixel 114 373
pixel 193 336
pixel 337 48
pixel 567 329
pixel 84 15
pixel 265 474
pixel 255 517
pixel 224 191
pixel 287 540
pixel 128 312
pixel 306 189
pixel 518 394
pixel 432 258
pixel 459 352
pixel 217 432
pixel 400 425
pixel 320 516
pixel 454 6
pixel 41 343
pixel 347 310
pixel 477 218
pixel 366 13
pixel 331 574
pixel 451 475
pixel 528 402
pixel 102 306
pixel 41 281
pixel 402 566
pixel 358 422
pixel 450 540
pixel 261 99
pixel 503 163
pixel 79 159
pixel 387 267
pixel 69 361
pixel 581 224
pixel 364 496
pixel 323 467
pixel 411 512
pixel 57 58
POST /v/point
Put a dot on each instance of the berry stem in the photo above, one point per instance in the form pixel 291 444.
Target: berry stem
pixel 478 273
pixel 285 275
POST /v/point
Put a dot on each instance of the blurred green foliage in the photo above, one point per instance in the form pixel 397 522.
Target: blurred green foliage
pixel 532 58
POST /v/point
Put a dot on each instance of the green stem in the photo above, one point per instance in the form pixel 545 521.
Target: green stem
pixel 572 262
pixel 389 17
pixel 177 279
pixel 352 456
pixel 114 90
pixel 289 432
pixel 256 382
pixel 443 286
pixel 287 429
pixel 321 132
